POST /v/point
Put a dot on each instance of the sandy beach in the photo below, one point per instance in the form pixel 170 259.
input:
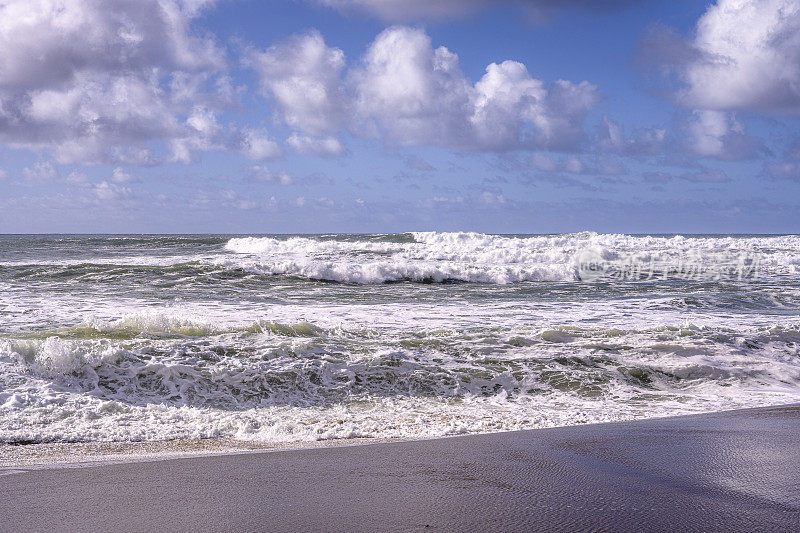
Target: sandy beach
pixel 732 471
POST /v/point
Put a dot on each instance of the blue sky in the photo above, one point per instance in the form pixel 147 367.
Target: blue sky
pixel 387 115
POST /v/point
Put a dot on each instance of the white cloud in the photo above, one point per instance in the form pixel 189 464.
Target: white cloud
pixel 120 176
pixel 263 174
pixel 506 97
pixel 326 146
pixel 406 92
pixel 46 43
pixel 92 80
pixel 492 199
pixel 566 106
pixel 320 202
pixel 409 93
pixel 232 199
pixel 718 134
pixel 106 191
pixel 201 132
pixel 745 55
pixel 511 108
pixel 302 76
pixel 77 178
pixel 256 145
pixel 41 172
pixel 751 57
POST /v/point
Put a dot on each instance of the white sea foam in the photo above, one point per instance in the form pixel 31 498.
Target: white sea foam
pixel 475 257
pixel 287 382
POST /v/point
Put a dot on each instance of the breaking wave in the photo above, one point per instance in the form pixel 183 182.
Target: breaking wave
pixel 151 376
pixel 478 258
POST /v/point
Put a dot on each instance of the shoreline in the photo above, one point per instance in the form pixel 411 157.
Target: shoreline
pixel 729 470
pixel 38 456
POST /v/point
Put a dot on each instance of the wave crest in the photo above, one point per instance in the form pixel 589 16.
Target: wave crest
pixel 435 257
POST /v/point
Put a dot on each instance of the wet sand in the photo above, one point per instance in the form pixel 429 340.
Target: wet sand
pixel 732 471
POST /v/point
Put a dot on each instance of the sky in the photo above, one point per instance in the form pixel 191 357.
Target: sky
pixel 372 116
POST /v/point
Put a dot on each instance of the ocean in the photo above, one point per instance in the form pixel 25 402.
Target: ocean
pixel 287 338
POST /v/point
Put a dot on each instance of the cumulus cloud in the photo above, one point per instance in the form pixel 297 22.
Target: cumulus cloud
pixel 79 179
pixel 120 176
pixel 106 191
pixel 201 132
pixel 98 82
pixel 41 172
pixel 230 198
pixel 256 145
pixel 46 43
pixel 406 92
pixel 325 146
pixel 409 93
pixel 718 134
pixel 507 97
pixel 302 76
pixel 265 175
pixel 745 55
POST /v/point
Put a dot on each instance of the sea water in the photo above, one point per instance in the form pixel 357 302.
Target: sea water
pixel 282 338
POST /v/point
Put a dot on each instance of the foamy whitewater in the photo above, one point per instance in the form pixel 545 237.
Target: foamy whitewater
pixel 298 338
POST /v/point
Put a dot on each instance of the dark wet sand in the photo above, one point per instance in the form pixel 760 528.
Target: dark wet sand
pixel 733 471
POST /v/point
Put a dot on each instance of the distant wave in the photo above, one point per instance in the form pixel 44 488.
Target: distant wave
pixel 422 257
pixel 479 258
